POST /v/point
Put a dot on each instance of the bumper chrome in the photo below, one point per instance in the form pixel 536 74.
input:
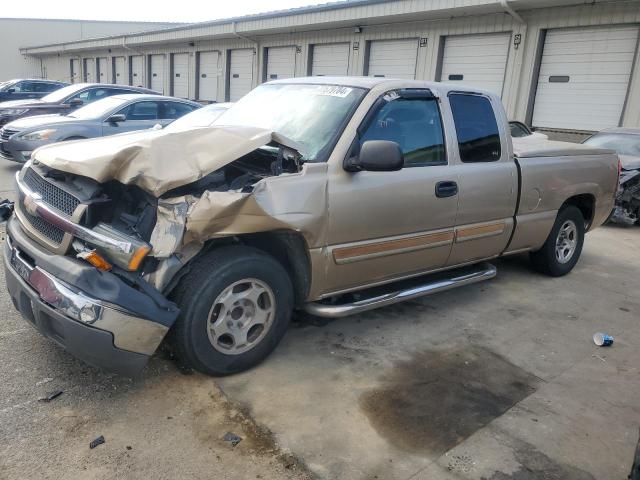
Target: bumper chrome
pixel 129 332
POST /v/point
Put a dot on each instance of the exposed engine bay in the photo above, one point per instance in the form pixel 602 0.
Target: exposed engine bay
pixel 627 208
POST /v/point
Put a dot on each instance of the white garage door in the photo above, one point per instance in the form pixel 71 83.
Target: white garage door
pixel 240 73
pixel 75 71
pixel 89 70
pixel 393 58
pixel 584 77
pixel 332 59
pixel 281 62
pixel 157 73
pixel 103 70
pixel 208 76
pixel 181 75
pixel 137 71
pixel 476 60
pixel 119 71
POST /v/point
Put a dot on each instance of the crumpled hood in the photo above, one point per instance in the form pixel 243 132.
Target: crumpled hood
pixel 630 162
pixel 156 160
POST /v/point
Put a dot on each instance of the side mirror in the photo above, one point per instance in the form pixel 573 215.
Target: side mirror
pixel 377 156
pixel 157 126
pixel 11 90
pixel 117 118
pixel 6 209
pixel 75 102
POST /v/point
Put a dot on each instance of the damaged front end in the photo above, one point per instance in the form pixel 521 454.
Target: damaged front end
pixel 97 239
pixel 627 205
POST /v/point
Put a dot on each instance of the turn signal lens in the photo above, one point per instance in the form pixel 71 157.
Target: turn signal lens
pixel 137 257
pixel 96 260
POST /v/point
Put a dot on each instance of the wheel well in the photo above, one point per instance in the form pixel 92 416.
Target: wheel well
pixel 586 203
pixel 287 247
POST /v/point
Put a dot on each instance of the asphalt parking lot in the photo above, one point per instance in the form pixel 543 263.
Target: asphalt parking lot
pixel 496 381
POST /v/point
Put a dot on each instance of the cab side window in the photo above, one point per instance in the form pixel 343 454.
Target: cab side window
pixel 415 125
pixel 476 128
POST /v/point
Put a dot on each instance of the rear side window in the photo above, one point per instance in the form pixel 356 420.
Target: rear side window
pixel 415 125
pixel 476 128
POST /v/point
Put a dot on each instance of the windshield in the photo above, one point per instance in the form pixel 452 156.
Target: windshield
pixel 311 115
pixel 203 117
pixel 62 93
pixel 622 143
pixel 97 109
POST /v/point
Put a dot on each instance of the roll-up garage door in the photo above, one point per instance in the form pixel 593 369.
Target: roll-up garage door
pixel 393 58
pixel 137 71
pixel 180 76
pixel 208 76
pixel 281 63
pixel 157 73
pixel 331 59
pixel 584 77
pixel 103 70
pixel 476 60
pixel 89 70
pixel 240 73
pixel 119 71
pixel 75 76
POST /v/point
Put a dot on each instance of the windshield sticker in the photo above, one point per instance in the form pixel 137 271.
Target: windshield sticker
pixel 334 90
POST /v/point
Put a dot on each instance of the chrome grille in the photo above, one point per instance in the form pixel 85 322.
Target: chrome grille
pixel 50 193
pixel 5 133
pixel 44 228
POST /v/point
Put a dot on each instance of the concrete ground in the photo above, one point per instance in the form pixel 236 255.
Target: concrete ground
pixel 497 381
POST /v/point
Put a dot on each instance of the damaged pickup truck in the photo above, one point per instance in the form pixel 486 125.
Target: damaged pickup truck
pixel 328 195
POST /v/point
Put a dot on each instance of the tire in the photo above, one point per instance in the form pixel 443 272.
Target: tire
pixel 547 260
pixel 208 334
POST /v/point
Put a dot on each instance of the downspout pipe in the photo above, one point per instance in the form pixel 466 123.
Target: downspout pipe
pixel 239 35
pixel 509 9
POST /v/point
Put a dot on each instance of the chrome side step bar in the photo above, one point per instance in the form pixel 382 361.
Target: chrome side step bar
pixel 482 272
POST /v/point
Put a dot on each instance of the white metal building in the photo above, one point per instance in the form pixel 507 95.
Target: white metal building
pixel 18 32
pixel 566 65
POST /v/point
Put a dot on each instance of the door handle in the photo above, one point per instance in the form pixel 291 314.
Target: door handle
pixel 446 189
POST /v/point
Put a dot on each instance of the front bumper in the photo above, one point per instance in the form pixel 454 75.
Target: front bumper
pixel 93 315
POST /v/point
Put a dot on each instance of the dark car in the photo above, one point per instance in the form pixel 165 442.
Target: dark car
pixel 21 89
pixel 109 116
pixel 64 100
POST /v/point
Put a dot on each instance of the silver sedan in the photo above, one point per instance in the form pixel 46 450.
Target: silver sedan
pixel 109 116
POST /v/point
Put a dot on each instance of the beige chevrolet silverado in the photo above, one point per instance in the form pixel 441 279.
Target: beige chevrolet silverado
pixel 326 195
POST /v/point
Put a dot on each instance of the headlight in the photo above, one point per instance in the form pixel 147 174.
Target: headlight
pixel 39 134
pixel 13 111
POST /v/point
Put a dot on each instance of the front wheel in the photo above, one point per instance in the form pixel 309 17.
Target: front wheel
pixel 563 246
pixel 235 306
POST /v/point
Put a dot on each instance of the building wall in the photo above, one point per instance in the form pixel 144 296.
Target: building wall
pixel 16 33
pixel 520 76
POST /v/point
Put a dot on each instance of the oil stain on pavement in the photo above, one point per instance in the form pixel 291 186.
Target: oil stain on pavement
pixel 438 398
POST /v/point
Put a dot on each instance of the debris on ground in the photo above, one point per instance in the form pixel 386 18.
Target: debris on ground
pixel 51 396
pixel 232 438
pixel 602 339
pixel 96 442
pixel 43 381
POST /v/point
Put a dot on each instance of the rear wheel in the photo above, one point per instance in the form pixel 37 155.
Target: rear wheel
pixel 563 246
pixel 235 306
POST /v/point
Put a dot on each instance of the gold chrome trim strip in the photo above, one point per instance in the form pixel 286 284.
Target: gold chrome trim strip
pixel 475 232
pixel 391 247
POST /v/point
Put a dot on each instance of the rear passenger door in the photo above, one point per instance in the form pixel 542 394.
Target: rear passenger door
pixel 139 116
pixel 487 179
pixel 387 225
pixel 170 111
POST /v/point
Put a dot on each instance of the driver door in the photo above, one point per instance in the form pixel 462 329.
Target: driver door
pixel 389 225
pixel 139 116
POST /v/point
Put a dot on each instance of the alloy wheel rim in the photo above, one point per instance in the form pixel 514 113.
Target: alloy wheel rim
pixel 241 316
pixel 566 242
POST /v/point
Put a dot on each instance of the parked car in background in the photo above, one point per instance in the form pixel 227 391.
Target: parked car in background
pixel 64 100
pixel 333 195
pixel 202 117
pixel 625 141
pixel 28 88
pixel 521 130
pixel 108 116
